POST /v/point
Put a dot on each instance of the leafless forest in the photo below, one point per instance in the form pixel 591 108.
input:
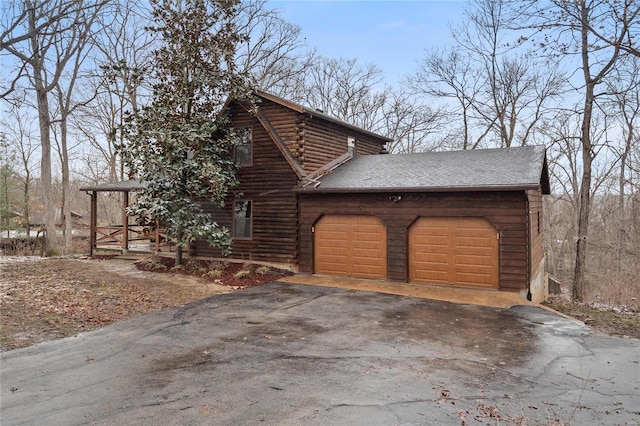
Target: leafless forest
pixel 564 74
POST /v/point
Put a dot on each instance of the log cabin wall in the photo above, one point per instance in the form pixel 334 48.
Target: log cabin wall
pixel 538 284
pixel 312 140
pixel 268 184
pixel 506 211
pixel 535 229
pixel 324 141
pixel 286 123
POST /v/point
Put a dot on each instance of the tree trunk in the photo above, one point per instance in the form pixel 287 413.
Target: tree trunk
pixel 66 199
pixel 579 277
pixel 52 246
pixel 635 219
pixel 179 251
pixel 623 224
pixel 25 200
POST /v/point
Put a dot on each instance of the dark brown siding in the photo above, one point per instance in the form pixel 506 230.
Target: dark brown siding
pixel 535 230
pixel 268 183
pixel 325 141
pixel 286 122
pixel 506 211
pixel 314 142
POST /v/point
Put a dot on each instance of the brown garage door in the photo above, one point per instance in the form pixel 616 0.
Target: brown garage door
pixel 458 251
pixel 350 245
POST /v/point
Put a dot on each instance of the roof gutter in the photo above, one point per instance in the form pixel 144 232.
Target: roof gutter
pixel 490 188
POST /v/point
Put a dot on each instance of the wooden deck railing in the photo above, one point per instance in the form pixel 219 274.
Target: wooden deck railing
pixel 113 236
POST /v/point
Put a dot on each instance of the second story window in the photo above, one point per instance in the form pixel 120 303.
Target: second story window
pixel 243 146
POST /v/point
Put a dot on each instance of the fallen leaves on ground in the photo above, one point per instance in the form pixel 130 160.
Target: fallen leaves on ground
pixel 46 299
pixel 616 321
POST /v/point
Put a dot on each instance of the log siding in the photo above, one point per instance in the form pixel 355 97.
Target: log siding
pixel 536 230
pixel 268 183
pixel 287 143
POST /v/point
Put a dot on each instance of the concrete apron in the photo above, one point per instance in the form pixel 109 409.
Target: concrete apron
pixel 469 296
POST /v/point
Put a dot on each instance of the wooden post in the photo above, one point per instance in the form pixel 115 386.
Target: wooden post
pixel 125 222
pixel 94 222
pixel 157 236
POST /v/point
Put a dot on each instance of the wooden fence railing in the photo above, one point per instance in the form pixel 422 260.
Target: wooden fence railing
pixel 141 238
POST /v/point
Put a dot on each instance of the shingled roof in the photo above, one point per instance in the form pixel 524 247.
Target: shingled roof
pixel 500 169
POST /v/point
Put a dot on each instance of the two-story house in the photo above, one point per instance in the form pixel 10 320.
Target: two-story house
pixel 316 195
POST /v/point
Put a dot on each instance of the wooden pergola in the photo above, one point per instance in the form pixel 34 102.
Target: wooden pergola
pixel 121 236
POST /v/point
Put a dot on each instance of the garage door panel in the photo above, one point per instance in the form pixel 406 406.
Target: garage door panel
pixel 332 238
pixel 434 268
pixel 334 267
pixel 334 257
pixel 475 242
pixel 473 269
pixel 329 250
pixel 366 272
pixel 482 258
pixel 368 257
pixel 366 242
pixel 432 259
pixel 473 280
pixel 457 251
pixel 350 245
pixel 427 242
pixel 433 277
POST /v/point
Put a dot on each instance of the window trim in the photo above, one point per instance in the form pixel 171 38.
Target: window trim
pixel 250 144
pixel 250 221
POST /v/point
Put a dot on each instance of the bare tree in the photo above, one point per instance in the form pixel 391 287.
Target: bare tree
pixel 449 75
pixel 625 12
pixel 625 105
pixel 413 126
pixel 565 28
pixel 45 37
pixel 344 89
pixel 20 135
pixel 274 51
pixel 123 57
pixel 497 91
pixel 7 173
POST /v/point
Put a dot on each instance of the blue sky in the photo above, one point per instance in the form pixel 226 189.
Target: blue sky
pixel 389 34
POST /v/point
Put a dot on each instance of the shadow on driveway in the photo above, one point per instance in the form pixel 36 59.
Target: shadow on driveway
pixel 292 354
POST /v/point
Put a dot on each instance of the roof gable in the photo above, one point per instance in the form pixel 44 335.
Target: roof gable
pixel 318 114
pixel 483 169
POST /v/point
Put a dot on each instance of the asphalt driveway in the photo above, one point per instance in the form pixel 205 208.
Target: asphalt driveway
pixel 290 354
